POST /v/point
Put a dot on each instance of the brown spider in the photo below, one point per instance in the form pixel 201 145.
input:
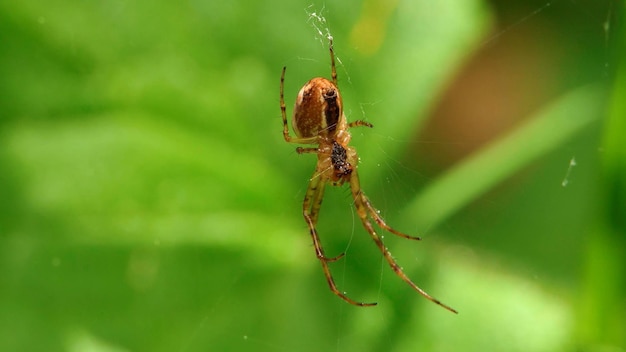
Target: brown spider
pixel 318 118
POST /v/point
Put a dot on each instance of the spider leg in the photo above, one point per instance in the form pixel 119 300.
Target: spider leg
pixel 317 204
pixel 301 150
pixel 310 209
pixel 314 193
pixel 333 70
pixel 375 214
pixel 361 203
pixel 318 195
pixel 360 123
pixel 283 108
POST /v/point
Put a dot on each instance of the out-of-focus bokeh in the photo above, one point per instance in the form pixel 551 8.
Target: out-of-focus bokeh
pixel 150 203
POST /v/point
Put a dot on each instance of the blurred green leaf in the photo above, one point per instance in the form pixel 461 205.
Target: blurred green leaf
pixel 540 134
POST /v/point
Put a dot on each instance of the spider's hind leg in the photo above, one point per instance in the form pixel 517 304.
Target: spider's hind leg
pixel 310 209
pixel 311 206
pixel 375 214
pixel 363 208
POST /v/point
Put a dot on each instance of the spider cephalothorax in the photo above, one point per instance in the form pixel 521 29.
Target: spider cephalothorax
pixel 318 119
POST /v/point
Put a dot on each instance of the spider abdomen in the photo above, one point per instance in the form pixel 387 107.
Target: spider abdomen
pixel 318 109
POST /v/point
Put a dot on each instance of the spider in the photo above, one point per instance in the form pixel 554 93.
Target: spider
pixel 318 118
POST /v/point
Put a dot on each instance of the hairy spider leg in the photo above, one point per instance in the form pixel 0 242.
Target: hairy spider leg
pixel 310 210
pixel 360 202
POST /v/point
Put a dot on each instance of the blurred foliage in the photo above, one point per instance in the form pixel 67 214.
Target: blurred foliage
pixel 150 202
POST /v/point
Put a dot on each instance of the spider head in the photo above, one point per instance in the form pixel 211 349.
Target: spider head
pixel 318 109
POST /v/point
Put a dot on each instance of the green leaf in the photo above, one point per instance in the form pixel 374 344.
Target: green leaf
pixel 540 134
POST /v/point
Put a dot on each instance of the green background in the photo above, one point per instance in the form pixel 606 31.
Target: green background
pixel 150 203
